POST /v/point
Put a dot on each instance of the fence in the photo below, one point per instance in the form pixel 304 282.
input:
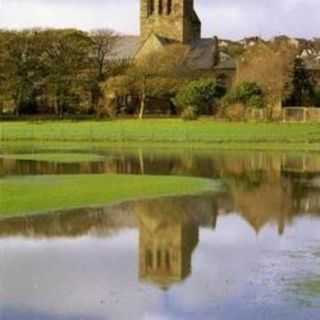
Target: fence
pixel 256 115
pixel 300 114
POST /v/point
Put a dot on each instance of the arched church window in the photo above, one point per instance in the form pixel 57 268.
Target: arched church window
pixel 160 7
pixel 169 7
pixel 150 7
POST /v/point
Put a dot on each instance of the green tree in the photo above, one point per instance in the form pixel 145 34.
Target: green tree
pixel 302 85
pixel 200 94
pixel 247 93
pixel 66 61
pixel 21 71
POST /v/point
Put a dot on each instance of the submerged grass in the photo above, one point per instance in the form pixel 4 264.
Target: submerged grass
pixel 308 292
pixel 40 194
pixel 310 288
pixel 204 131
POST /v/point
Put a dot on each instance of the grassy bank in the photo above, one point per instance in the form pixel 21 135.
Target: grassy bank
pixel 205 131
pixel 37 194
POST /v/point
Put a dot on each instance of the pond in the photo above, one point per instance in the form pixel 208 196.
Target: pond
pixel 247 249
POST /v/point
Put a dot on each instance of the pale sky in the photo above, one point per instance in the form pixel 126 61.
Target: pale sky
pixel 226 18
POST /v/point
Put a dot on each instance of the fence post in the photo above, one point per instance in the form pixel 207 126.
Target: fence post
pixel 283 113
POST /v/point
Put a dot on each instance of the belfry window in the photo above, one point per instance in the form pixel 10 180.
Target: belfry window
pixel 169 7
pixel 150 7
pixel 160 7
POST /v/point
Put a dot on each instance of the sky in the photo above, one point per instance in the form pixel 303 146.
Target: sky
pixel 232 19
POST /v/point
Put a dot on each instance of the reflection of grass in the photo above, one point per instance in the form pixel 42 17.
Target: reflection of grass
pixel 159 148
pixel 34 194
pixel 56 157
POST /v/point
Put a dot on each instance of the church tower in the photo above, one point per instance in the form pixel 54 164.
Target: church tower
pixel 171 19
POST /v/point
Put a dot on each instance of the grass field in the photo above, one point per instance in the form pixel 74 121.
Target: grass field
pixel 40 194
pixel 204 131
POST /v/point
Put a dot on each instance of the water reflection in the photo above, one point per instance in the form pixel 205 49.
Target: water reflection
pixel 204 259
pixel 186 162
pixel 168 235
pixel 233 254
pixel 168 227
pixel 168 231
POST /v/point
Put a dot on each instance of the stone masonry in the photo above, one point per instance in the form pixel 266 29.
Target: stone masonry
pixel 170 19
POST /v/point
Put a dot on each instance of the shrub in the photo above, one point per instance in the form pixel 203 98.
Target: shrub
pixel 255 102
pixel 247 93
pixel 235 112
pixel 189 114
pixel 248 90
pixel 200 94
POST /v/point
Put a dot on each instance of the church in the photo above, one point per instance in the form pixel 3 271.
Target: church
pixel 165 22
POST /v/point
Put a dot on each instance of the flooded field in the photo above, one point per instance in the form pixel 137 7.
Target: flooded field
pixel 249 249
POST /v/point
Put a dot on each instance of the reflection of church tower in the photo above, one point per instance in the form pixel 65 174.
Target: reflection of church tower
pixel 167 241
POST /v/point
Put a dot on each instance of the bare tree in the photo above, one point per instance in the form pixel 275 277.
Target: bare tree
pixel 270 66
pixel 103 42
pixel 150 70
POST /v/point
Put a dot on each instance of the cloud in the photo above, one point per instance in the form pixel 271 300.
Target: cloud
pixel 225 18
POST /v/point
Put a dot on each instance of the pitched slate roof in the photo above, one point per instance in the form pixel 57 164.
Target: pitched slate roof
pixel 199 57
pixel 126 47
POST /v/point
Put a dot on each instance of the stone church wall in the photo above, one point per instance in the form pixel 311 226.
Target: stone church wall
pixel 179 23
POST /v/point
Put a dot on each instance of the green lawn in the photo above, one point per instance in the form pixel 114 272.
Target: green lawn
pixel 40 194
pixel 164 131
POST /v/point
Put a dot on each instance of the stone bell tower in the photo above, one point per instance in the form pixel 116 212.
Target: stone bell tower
pixel 171 19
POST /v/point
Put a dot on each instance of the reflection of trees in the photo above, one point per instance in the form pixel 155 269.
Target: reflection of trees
pixel 273 200
pixel 181 161
pixel 27 167
pixel 269 202
pixel 100 222
pixel 168 228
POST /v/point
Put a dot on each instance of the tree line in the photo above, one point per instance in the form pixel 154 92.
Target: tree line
pixel 54 71
pixel 69 71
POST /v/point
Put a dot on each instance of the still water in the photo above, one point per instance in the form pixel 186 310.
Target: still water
pixel 250 251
